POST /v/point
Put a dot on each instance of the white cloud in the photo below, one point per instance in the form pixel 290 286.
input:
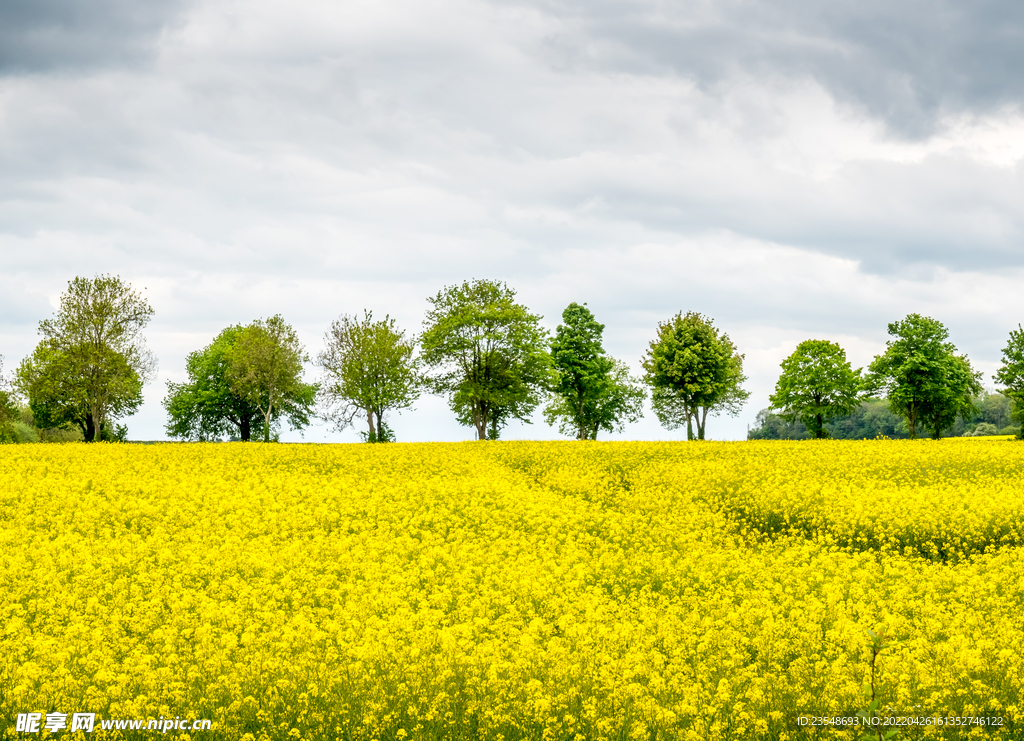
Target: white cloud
pixel 315 158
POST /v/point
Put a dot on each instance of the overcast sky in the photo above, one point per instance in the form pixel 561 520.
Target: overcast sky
pixel 793 169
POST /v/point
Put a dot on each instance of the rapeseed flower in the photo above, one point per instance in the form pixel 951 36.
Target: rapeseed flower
pixel 513 590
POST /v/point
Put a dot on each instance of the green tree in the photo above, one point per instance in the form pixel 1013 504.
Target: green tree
pixel 593 391
pixel 956 398
pixel 993 408
pixel 8 410
pixel 869 420
pixel 817 385
pixel 996 409
pixel 925 382
pixel 1011 374
pixel 206 407
pixel 770 426
pixel 369 369
pixel 488 354
pixel 91 365
pixel 985 428
pixel 265 368
pixel 693 370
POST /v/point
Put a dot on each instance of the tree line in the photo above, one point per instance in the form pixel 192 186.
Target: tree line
pixel 481 349
pixel 488 355
pixel 872 419
pixel 927 386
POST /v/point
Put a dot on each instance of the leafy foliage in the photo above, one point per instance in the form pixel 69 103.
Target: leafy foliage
pixel 26 431
pixel 817 385
pixel 992 410
pixel 369 368
pixel 593 391
pixel 983 429
pixel 693 370
pixel 1011 374
pixel 206 407
pixel 924 380
pixel 91 365
pixel 488 355
pixel 265 368
pixel 869 420
pixel 383 434
pixel 872 419
pixel 619 400
pixel 8 410
pixel 956 397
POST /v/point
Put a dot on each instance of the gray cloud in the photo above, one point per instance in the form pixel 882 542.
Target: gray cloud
pixel 905 63
pixel 46 35
pixel 315 158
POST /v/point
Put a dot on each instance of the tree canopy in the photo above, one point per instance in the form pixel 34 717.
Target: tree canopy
pixel 206 407
pixel 1011 374
pixel 369 369
pixel 488 354
pixel 922 377
pixel 693 370
pixel 872 418
pixel 8 409
pixel 956 398
pixel 593 391
pixel 869 420
pixel 91 365
pixel 817 385
pixel 265 368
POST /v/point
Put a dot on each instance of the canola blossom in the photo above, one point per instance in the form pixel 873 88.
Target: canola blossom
pixel 514 590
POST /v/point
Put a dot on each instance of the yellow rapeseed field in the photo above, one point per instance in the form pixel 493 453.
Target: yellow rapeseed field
pixel 522 590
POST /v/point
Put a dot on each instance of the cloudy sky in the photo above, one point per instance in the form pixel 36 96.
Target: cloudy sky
pixel 793 169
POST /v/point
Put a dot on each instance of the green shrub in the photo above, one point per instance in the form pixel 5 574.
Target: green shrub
pixel 982 428
pixel 25 433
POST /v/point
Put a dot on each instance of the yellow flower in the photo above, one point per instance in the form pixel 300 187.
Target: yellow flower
pixel 528 590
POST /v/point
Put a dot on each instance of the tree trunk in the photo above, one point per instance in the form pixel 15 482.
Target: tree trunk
pixel 480 420
pixel 702 420
pixel 581 425
pixel 820 431
pixel 369 421
pixel 266 419
pixel 689 427
pixel 245 429
pixel 94 422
